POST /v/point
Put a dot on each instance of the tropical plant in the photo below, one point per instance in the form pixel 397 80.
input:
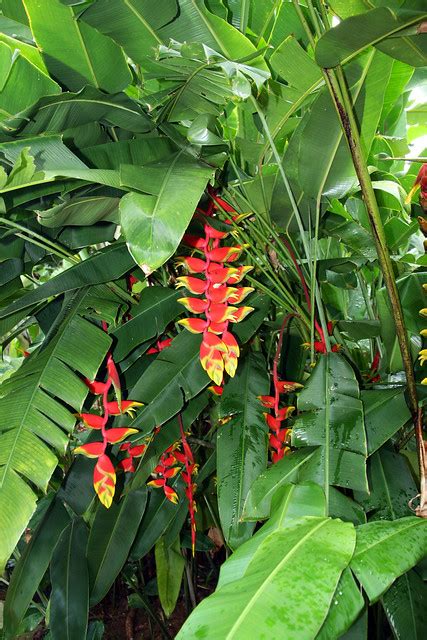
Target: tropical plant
pixel 213 279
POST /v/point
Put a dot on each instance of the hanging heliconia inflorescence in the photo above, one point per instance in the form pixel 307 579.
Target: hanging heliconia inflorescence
pixel 214 282
pixel 104 474
pixel 172 462
pixel 279 433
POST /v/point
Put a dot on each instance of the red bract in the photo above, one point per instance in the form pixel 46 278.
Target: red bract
pixel 160 345
pixel 219 350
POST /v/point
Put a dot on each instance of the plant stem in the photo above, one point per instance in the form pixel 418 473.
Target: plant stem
pixel 343 103
pixel 338 87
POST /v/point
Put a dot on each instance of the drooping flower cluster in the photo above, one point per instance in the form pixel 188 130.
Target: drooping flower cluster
pixel 214 283
pixel 173 461
pixel 104 474
pixel 279 434
pixel 164 471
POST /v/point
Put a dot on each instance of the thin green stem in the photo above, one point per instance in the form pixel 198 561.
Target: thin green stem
pixel 351 133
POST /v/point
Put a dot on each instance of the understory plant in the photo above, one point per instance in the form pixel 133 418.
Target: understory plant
pixel 213 319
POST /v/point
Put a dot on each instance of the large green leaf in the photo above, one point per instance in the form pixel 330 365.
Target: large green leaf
pixel 385 550
pixel 109 264
pixel 132 23
pixel 292 502
pixel 347 603
pixel 84 211
pixel 69 602
pixel 356 33
pixel 319 135
pixel 331 417
pixel 241 445
pixel 386 412
pixel 32 564
pixel 55 114
pixel 157 307
pixel 169 568
pixel 405 604
pixel 196 24
pixel 111 537
pixel 391 486
pixel 154 224
pixel 16 95
pixel 33 417
pixel 260 495
pixel 175 377
pixel 74 52
pixel 274 593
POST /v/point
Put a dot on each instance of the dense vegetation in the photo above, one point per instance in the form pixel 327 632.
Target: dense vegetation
pixel 213 319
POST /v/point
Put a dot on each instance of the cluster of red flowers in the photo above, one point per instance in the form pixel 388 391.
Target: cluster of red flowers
pixel 219 350
pixel 104 475
pixel 171 462
pixel 279 434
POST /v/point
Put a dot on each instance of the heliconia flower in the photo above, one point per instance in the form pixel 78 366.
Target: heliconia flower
pixel 91 449
pixel 284 386
pixel 216 389
pixel 194 285
pixel 424 381
pixel 137 451
pixel 423 333
pixel 194 241
pixel 240 313
pixel 239 274
pixel 104 480
pixel 225 254
pixel 113 375
pixel 118 434
pixel 273 423
pixel 221 275
pixel 218 327
pixel 195 325
pixel 157 482
pixel 423 312
pixel 127 465
pixel 267 401
pixel 420 182
pixel 210 232
pixel 94 386
pixel 160 345
pixel 220 312
pixel 218 293
pixel 193 265
pixel 214 366
pixel 92 420
pixel 127 406
pixel 170 494
pixel 238 294
pixel 195 305
pixel 285 412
